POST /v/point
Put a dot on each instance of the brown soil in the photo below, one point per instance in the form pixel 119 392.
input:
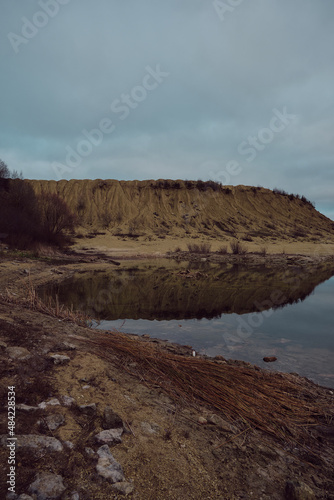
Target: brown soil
pixel 155 214
pixel 166 452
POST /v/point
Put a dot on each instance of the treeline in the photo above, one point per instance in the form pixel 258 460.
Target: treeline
pixel 292 196
pixel 27 219
pixel 200 185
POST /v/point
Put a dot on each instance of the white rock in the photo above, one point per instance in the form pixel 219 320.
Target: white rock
pixel 110 436
pixel 124 487
pixel 149 428
pixel 54 421
pixel 67 401
pixel 47 486
pixel 221 423
pixel 51 402
pixel 89 409
pixel 68 347
pixel 108 467
pixel 59 359
pixel 16 352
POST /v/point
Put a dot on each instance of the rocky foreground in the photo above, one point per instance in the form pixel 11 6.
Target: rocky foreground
pixel 92 423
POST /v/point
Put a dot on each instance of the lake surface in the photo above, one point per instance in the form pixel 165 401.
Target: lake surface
pixel 227 310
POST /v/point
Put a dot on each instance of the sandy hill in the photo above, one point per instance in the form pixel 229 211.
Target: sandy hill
pixel 180 208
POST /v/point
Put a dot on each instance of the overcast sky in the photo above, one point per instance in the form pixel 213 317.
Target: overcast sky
pixel 235 91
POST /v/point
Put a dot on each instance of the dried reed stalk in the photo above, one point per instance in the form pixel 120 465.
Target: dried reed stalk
pixel 263 400
pixel 50 307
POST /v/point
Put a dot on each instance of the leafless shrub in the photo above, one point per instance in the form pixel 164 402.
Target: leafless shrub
pixel 199 248
pixel 55 217
pixel 298 233
pixel 106 219
pixel 263 251
pixel 238 248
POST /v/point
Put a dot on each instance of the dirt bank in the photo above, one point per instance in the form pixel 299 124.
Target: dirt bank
pixel 152 210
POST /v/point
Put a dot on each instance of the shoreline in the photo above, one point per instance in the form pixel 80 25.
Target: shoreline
pixel 163 431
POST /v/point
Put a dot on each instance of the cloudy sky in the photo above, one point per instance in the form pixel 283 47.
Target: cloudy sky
pixel 235 91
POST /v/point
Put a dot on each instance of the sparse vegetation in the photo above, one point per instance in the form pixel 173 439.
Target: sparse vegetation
pixel 199 247
pixel 183 207
pixel 106 219
pixel 292 196
pixel 205 185
pixel 200 185
pixel 81 205
pixel 238 248
pixel 298 233
pixel 222 250
pixel 280 191
pixel 50 307
pixel 255 189
pixel 168 435
pixel 263 251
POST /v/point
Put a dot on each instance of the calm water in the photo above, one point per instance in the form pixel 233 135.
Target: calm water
pixel 215 309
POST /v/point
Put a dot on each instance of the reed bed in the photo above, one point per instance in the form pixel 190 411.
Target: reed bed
pixel 245 396
pixel 51 306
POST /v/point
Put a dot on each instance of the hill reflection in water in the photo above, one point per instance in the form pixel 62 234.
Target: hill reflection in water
pixel 166 290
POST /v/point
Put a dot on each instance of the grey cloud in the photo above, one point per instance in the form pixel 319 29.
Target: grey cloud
pixel 225 79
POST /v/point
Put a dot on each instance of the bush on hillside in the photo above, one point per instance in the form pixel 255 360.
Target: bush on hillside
pixel 238 248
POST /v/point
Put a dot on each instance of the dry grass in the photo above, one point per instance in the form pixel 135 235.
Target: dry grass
pixel 263 251
pixel 238 248
pixel 51 307
pixel 94 200
pixel 249 397
pixel 199 247
pixel 222 250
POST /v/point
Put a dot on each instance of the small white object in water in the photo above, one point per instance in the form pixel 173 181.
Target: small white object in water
pixel 194 353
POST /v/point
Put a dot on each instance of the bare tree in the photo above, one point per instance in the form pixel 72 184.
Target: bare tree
pixel 5 173
pixel 55 215
pixel 4 170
